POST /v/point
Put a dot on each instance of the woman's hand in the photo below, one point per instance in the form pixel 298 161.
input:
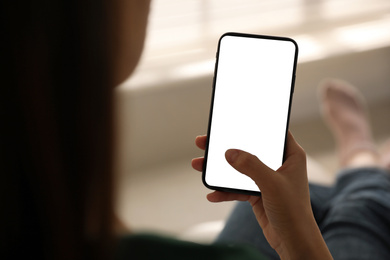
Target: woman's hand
pixel 283 210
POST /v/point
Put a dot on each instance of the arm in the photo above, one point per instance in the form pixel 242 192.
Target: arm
pixel 283 211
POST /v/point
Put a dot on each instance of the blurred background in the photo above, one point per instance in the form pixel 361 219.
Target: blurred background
pixel 165 104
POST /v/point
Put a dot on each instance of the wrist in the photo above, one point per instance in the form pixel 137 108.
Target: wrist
pixel 318 252
pixel 305 242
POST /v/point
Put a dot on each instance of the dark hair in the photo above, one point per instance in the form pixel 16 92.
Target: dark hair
pixel 56 129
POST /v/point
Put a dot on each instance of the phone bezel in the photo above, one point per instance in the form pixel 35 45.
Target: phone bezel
pixel 267 37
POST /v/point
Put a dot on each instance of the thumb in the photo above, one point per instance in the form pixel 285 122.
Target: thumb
pixel 249 165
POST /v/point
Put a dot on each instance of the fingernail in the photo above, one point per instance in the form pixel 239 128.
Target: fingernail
pixel 231 155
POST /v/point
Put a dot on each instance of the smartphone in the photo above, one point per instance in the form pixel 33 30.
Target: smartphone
pixel 250 108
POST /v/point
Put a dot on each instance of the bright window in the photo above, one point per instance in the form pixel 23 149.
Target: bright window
pixel 183 34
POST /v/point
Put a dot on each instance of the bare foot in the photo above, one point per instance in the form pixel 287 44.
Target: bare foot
pixel 345 111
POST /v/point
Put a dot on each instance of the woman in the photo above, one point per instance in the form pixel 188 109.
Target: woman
pixel 61 61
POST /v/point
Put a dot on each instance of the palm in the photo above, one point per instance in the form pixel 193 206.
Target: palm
pixel 283 211
pixel 269 231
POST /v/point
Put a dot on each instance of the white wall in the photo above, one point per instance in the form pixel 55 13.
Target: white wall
pixel 158 124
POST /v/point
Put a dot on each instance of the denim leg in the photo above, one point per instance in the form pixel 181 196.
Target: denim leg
pixel 356 224
pixel 319 196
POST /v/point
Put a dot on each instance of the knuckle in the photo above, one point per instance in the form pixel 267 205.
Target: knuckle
pixel 245 161
pixel 301 153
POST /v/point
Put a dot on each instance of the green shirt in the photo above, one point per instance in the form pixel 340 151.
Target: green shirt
pixel 147 246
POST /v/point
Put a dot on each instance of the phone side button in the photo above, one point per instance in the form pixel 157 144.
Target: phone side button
pixel 293 85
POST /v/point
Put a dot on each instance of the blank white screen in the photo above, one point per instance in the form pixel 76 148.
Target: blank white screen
pixel 251 102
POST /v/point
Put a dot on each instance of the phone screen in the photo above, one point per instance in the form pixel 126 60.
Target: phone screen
pixel 252 92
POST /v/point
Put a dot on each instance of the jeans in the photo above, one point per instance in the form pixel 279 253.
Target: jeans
pixel 353 216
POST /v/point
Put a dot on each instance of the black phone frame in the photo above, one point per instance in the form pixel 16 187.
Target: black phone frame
pixel 293 76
